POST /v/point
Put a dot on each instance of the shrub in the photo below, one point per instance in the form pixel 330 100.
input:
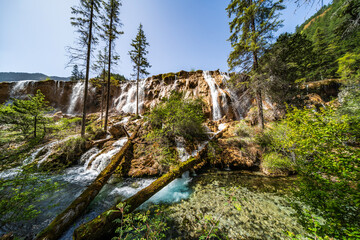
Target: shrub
pixel 176 116
pixel 150 224
pixel 275 162
pixel 243 130
pixel 325 146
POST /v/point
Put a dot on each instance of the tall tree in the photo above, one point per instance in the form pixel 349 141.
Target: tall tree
pixel 75 74
pixel 251 27
pixel 138 57
pixel 84 19
pixel 111 24
pixel 100 67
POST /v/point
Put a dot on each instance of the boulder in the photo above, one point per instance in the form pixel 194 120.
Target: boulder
pixel 57 116
pixel 117 130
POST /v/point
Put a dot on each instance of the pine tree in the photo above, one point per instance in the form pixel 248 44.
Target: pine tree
pixel 75 74
pixel 84 19
pixel 137 56
pixel 111 23
pixel 252 26
pixel 325 60
pixel 26 115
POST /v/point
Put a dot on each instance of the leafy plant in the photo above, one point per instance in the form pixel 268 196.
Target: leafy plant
pixel 151 224
pixel 324 145
pixel 274 162
pixel 19 195
pixel 176 116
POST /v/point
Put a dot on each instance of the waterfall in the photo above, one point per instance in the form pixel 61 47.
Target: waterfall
pixel 214 91
pixel 76 96
pixel 240 103
pixel 126 102
pixel 20 88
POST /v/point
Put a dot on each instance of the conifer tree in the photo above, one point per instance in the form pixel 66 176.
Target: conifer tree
pixel 111 23
pixel 84 19
pixel 252 25
pixel 138 57
pixel 75 74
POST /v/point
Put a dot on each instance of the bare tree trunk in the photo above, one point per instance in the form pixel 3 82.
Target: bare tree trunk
pixel 35 122
pixel 109 74
pixel 64 220
pixel 83 122
pixel 102 103
pixel 103 226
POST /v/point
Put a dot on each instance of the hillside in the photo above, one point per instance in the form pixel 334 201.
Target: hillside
pixel 19 76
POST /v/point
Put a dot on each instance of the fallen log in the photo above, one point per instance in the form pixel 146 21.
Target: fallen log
pixel 101 141
pixel 103 226
pixel 64 220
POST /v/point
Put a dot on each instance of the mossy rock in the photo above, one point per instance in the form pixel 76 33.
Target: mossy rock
pixel 182 74
pixel 66 154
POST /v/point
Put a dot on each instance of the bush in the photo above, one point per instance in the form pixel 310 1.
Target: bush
pixel 178 117
pixel 243 130
pixel 275 162
pixel 325 146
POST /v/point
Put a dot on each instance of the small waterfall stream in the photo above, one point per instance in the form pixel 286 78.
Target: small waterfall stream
pixel 76 96
pixel 214 91
pixel 126 102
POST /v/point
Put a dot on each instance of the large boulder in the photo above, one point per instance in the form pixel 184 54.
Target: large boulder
pixel 117 130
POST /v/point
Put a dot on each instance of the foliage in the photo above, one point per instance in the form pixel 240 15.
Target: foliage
pixel 20 194
pixel 325 147
pixel 139 52
pixel 349 66
pixel 177 117
pixel 76 75
pixel 251 28
pixel 285 65
pixel 150 224
pixel 274 162
pixel 84 19
pixel 243 130
pixel 334 31
pixel 26 115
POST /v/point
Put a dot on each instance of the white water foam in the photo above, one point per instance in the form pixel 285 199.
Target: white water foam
pixel 76 96
pixel 126 102
pixel 20 87
pixel 214 91
pixel 101 161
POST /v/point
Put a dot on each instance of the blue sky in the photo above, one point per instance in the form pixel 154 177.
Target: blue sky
pixel 183 34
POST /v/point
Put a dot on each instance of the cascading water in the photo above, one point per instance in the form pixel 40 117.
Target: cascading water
pixel 214 91
pixel 101 161
pixel 126 102
pixel 20 87
pixel 76 96
pixel 240 102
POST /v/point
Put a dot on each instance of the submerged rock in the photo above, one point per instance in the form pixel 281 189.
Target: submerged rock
pixel 242 212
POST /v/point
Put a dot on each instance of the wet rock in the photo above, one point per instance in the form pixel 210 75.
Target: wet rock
pixel 117 130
